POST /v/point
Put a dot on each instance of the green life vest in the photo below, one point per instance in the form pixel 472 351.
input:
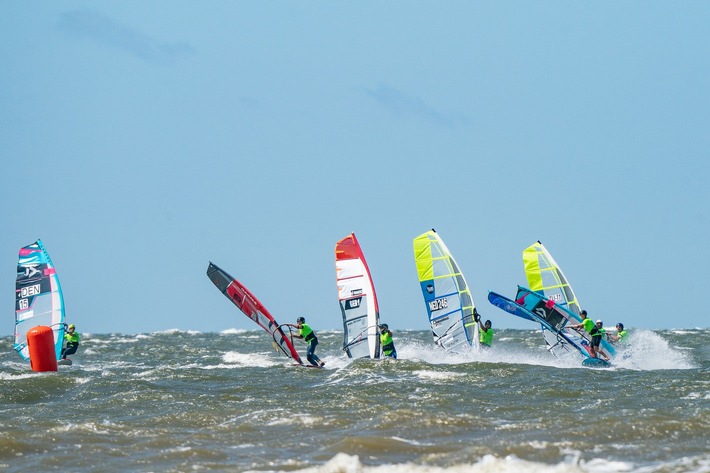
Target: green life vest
pixel 486 337
pixel 387 343
pixel 588 325
pixel 72 337
pixel 622 335
pixel 306 332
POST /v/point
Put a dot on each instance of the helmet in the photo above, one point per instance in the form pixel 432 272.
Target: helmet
pixel 488 322
pixel 71 326
pixel 584 313
pixel 384 326
pixel 300 320
pixel 620 325
pixel 600 322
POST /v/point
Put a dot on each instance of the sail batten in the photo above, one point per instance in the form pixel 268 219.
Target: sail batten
pixel 447 297
pixel 357 300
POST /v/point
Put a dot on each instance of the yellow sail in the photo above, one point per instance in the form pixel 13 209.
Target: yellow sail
pixel 447 298
pixel 545 277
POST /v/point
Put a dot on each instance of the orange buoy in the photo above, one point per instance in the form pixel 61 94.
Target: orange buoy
pixel 40 342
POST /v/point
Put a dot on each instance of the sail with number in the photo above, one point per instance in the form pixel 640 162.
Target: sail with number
pixel 38 297
pixel 553 318
pixel 545 277
pixel 358 301
pixel 448 301
pixel 252 308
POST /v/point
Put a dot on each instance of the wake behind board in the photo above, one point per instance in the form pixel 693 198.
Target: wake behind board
pixel 66 362
pixel 595 363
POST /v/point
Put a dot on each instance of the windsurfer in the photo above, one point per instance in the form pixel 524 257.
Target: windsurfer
pixel 597 333
pixel 309 336
pixel 486 334
pixel 621 334
pixel 593 331
pixel 72 339
pixel 387 342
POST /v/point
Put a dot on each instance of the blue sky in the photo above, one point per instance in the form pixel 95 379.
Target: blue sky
pixel 142 140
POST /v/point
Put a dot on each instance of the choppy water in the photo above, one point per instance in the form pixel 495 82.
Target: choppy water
pixel 186 401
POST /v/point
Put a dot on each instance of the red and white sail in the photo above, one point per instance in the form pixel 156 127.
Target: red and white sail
pixel 358 301
pixel 252 308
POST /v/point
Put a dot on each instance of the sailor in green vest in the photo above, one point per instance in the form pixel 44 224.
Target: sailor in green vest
pixel 72 342
pixel 621 334
pixel 587 323
pixel 485 337
pixel 309 336
pixel 387 342
pixel 597 334
pixel 486 334
pixel 593 331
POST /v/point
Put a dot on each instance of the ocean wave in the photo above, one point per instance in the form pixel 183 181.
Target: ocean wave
pixel 344 463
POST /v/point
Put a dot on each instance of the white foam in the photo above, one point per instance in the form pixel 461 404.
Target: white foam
pixel 426 374
pixel 646 350
pixel 15 377
pixel 344 463
pixel 233 331
pixel 260 360
pixel 169 331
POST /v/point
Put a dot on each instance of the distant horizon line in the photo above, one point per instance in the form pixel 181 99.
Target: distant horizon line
pixel 258 330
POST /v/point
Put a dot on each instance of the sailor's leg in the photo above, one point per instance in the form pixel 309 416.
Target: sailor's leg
pixel 310 354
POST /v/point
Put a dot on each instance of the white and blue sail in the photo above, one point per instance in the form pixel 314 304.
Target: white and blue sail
pixel 38 297
pixel 447 297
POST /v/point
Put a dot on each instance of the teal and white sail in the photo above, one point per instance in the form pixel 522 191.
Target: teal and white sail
pixel 448 301
pixel 38 297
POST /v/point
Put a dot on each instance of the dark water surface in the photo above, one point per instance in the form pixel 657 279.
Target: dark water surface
pixel 183 401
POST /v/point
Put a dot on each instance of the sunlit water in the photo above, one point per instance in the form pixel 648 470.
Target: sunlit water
pixel 188 401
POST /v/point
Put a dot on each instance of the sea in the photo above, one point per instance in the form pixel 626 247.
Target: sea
pixel 186 401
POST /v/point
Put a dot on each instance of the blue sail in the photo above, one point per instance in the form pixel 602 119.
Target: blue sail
pixel 553 319
pixel 38 297
pixel 510 306
pixel 555 338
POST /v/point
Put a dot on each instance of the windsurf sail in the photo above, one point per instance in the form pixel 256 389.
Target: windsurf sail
pixel 448 301
pixel 550 318
pixel 553 319
pixel 38 297
pixel 545 277
pixel 252 308
pixel 558 317
pixel 358 301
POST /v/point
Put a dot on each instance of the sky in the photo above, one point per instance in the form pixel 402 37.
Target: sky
pixel 142 140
